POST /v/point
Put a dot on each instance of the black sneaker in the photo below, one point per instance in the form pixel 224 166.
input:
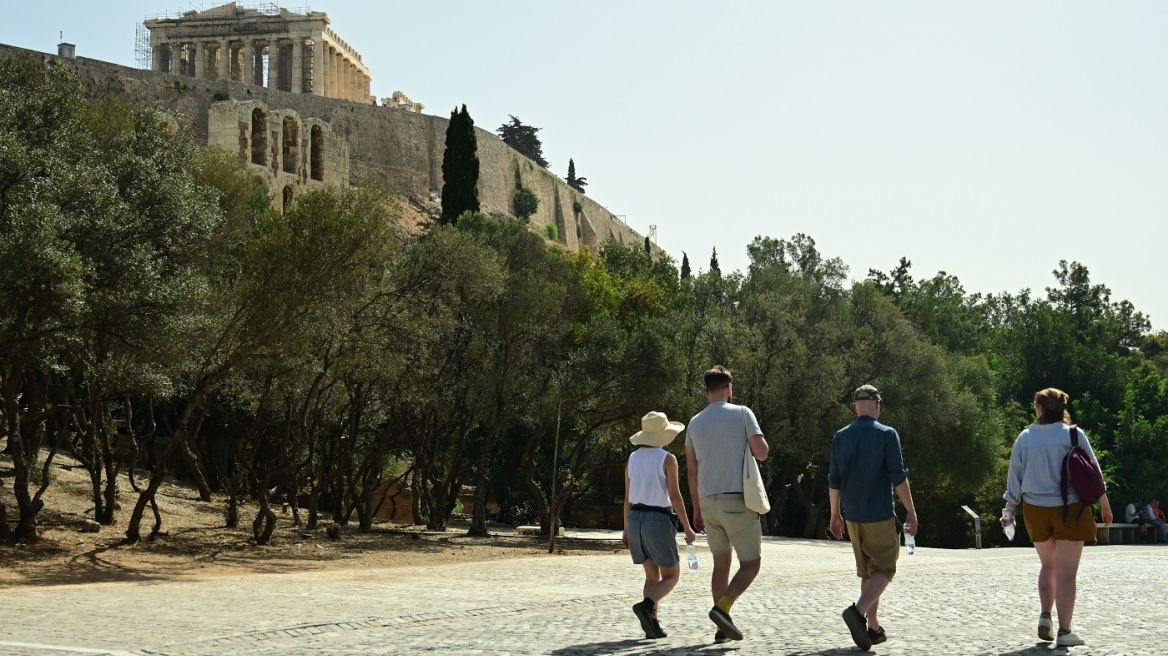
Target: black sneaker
pixel 720 638
pixel 658 632
pixel 877 636
pixel 644 613
pixel 858 627
pixel 725 625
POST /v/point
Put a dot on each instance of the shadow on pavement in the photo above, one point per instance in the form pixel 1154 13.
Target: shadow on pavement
pixel 642 646
pixel 1039 649
pixel 839 651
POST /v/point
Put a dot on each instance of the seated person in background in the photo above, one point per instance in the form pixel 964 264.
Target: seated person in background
pixel 1155 522
pixel 1131 514
pixel 1156 507
pixel 1134 514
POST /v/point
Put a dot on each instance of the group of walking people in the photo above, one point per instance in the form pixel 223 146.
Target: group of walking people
pixel 866 470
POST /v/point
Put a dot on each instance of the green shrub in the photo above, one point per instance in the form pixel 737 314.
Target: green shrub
pixel 525 201
pixel 553 232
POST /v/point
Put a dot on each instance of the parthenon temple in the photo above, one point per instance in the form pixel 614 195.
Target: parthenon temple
pixel 274 48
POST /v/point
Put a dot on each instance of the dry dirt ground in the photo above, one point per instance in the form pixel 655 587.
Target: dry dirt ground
pixel 194 542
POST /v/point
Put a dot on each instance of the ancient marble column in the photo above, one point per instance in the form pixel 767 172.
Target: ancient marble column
pixel 273 64
pixel 297 81
pixel 224 72
pixel 200 60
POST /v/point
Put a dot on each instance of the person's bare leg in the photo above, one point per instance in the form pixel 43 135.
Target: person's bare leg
pixel 1067 554
pixel 720 579
pixel 873 622
pixel 870 590
pixel 1047 585
pixel 652 578
pixel 743 578
pixel 668 579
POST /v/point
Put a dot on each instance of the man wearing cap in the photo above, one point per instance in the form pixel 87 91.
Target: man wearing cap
pixel 866 465
pixel 653 502
pixel 715 452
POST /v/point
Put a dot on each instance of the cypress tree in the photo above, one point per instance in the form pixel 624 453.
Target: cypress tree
pixel 460 168
pixel 714 262
pixel 576 183
pixel 648 248
pixel 684 266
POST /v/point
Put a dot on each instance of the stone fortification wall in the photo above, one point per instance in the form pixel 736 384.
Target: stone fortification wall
pixel 404 146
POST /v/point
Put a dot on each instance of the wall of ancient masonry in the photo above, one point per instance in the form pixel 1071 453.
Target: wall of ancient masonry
pixel 288 153
pixel 405 147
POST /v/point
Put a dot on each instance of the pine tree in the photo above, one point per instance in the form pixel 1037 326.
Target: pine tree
pixel 714 262
pixel 576 183
pixel 685 272
pixel 524 139
pixel 460 168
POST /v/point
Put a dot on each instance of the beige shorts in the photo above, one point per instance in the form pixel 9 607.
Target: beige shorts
pixel 876 546
pixel 731 525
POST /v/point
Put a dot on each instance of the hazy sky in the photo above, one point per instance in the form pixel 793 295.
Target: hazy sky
pixel 985 139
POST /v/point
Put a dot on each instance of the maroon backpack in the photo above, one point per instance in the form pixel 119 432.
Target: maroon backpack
pixel 1080 472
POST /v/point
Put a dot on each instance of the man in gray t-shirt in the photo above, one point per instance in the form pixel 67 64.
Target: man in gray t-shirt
pixel 715 447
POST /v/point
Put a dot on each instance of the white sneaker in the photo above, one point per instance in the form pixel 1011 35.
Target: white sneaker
pixel 1069 640
pixel 1045 629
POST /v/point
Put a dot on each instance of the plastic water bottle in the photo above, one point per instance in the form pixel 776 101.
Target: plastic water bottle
pixel 1009 530
pixel 910 540
pixel 691 556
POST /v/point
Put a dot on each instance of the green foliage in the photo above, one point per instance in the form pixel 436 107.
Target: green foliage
pixel 525 202
pixel 331 353
pixel 523 138
pixel 460 168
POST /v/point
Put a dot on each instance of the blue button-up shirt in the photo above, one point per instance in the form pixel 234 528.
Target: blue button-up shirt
pixel 866 464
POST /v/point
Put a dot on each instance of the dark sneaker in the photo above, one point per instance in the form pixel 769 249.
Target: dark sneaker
pixel 644 613
pixel 858 626
pixel 725 625
pixel 877 636
pixel 720 638
pixel 658 632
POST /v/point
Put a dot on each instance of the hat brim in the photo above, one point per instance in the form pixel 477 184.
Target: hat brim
pixel 658 438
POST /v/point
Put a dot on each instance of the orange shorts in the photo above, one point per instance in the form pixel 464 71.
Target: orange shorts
pixel 1046 522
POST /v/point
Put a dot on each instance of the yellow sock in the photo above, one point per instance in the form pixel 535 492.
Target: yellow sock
pixel 725 603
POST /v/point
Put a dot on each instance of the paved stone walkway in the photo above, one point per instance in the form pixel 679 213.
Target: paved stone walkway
pixel 942 602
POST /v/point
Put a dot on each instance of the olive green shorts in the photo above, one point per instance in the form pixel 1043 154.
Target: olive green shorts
pixel 876 546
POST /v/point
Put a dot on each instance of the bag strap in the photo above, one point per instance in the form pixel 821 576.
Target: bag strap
pixel 742 411
pixel 1074 436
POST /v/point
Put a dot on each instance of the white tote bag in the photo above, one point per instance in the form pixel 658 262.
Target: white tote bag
pixel 753 489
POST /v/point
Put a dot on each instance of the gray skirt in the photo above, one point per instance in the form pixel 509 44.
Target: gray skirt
pixel 653 536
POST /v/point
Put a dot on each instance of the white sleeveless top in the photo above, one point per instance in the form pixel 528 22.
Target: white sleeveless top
pixel 647 478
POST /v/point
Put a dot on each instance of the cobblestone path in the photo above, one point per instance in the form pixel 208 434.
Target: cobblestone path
pixel 942 602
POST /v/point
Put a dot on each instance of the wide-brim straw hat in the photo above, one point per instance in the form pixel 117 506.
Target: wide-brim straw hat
pixel 656 430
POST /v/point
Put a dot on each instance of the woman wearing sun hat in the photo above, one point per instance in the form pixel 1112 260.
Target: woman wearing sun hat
pixel 652 503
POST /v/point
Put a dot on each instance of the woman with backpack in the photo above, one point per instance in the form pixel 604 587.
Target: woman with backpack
pixel 1054 476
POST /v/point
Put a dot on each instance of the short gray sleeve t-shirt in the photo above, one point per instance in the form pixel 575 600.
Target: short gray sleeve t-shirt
pixel 718 436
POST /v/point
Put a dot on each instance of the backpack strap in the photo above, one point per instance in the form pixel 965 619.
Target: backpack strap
pixel 1074 435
